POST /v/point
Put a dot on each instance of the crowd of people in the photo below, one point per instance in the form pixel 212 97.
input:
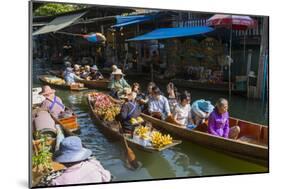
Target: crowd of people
pixel 171 106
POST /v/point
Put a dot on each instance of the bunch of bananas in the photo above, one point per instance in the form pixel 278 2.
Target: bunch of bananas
pixel 142 132
pixel 158 140
pixel 135 121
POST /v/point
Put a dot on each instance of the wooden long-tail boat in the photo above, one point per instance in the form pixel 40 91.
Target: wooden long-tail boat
pixel 46 79
pixel 91 84
pixel 111 130
pixel 252 143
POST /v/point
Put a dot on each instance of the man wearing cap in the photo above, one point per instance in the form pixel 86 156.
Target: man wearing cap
pixel 80 168
pixel 95 74
pixel 52 103
pixel 118 84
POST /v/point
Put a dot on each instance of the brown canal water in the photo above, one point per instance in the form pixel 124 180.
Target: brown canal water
pixel 184 160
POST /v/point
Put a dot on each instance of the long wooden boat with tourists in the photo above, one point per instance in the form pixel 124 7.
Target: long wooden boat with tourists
pixel 252 143
pixel 91 84
pixel 111 130
pixel 57 82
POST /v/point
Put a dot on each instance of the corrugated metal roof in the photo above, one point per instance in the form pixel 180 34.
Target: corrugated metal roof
pixel 58 23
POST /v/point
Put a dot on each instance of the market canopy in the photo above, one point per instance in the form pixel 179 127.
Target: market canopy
pixel 58 23
pixel 128 20
pixel 166 33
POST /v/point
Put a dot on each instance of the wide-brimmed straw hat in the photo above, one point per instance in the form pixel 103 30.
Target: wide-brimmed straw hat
pixel 46 90
pixel 117 72
pixel 71 150
pixel 94 67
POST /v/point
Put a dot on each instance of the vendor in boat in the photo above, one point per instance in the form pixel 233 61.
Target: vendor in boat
pixel 85 74
pixel 130 109
pixel 95 74
pixel 182 112
pixel 200 111
pixel 81 168
pixel 52 103
pixel 114 68
pixel 118 84
pixel 69 77
pixel 218 122
pixel 158 105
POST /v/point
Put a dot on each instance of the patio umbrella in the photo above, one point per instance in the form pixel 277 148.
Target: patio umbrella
pixel 92 37
pixel 232 22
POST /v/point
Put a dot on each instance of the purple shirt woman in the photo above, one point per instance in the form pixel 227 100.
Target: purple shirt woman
pixel 218 122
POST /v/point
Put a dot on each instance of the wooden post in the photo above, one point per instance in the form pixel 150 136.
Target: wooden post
pixel 263 51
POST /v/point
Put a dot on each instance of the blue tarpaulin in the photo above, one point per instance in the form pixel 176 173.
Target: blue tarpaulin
pixel 165 33
pixel 128 20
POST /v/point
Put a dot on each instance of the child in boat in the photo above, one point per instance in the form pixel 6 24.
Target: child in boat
pixel 182 112
pixel 52 103
pixel 130 109
pixel 80 168
pixel 218 122
pixel 94 73
pixel 158 105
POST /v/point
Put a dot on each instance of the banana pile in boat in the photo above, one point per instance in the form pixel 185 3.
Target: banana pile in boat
pixel 159 140
pixel 57 81
pixel 136 121
pixel 156 139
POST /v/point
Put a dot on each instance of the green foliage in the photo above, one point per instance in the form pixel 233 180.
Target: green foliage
pixel 51 9
pixel 43 158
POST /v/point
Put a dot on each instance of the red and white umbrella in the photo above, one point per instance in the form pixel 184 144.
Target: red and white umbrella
pixel 235 22
pixel 232 22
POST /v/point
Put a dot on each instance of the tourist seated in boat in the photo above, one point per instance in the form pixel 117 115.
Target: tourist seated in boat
pixel 70 77
pixel 158 105
pixel 172 95
pixel 114 68
pixel 95 73
pixel 118 84
pixel 140 98
pixel 86 72
pixel 218 122
pixel 77 69
pixel 182 111
pixel 80 167
pixel 200 111
pixel 130 110
pixel 52 103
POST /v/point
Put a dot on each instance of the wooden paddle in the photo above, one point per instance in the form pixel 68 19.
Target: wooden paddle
pixel 129 152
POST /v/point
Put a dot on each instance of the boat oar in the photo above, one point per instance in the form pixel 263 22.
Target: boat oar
pixel 129 152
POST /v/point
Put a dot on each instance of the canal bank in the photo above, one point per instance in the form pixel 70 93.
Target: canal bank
pixel 184 160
